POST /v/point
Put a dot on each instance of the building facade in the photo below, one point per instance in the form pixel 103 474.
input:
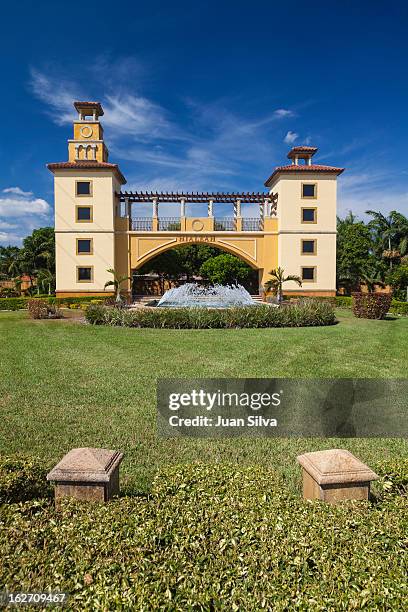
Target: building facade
pixel 97 225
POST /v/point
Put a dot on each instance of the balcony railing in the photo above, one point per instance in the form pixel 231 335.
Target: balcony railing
pixel 142 224
pixel 169 224
pixel 224 224
pixel 251 225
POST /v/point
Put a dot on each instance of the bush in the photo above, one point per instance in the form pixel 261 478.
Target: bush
pixel 22 479
pixel 343 301
pixel 394 475
pixel 13 303
pixel 22 302
pixel 371 305
pixel 211 537
pixel 41 309
pixel 400 308
pixel 306 313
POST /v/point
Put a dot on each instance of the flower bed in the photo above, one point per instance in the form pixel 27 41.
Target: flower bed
pixel 304 314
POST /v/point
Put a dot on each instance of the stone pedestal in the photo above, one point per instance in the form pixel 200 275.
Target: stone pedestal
pixel 88 474
pixel 335 475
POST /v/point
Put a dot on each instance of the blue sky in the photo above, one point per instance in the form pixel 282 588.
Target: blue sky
pixel 205 95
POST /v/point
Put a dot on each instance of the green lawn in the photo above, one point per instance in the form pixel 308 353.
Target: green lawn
pixel 63 384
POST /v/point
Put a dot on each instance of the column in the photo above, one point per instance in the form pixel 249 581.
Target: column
pixel 182 214
pixel 267 205
pixel 261 215
pixel 77 151
pixel 155 211
pixel 237 216
pixel 210 208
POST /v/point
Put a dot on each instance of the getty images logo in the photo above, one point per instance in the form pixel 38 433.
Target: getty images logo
pixel 199 398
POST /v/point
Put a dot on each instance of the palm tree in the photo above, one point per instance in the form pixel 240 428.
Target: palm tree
pixel 277 280
pixel 45 278
pixel 116 283
pixel 390 233
pixel 10 261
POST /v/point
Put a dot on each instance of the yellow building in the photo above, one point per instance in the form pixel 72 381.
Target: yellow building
pixel 97 226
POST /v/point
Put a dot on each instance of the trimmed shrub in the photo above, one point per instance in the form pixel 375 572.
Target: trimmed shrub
pixel 343 301
pixel 22 479
pixel 41 309
pixel 306 313
pixel 398 307
pixel 211 537
pixel 371 305
pixel 13 303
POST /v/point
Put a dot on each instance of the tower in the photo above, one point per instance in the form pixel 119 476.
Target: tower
pixel 87 224
pixel 307 202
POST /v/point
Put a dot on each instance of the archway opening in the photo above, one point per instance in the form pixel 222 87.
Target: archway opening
pixel 192 262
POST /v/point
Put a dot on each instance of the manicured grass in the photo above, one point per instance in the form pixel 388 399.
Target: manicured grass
pixel 63 384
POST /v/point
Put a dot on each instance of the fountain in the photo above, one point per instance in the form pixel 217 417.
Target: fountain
pixel 196 296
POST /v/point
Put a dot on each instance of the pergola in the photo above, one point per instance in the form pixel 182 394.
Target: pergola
pixel 267 201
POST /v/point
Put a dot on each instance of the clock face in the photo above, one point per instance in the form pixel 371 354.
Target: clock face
pixel 86 131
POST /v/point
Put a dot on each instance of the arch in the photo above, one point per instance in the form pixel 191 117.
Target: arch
pixel 217 243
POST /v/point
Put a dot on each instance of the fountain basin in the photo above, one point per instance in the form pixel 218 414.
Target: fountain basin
pixel 192 295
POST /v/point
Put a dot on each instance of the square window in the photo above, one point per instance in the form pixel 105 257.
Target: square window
pixel 83 188
pixel 84 275
pixel 84 246
pixel 308 247
pixel 309 190
pixel 308 274
pixel 84 213
pixel 309 215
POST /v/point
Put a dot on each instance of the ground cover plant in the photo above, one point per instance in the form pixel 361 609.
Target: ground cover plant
pixel 306 313
pixel 211 537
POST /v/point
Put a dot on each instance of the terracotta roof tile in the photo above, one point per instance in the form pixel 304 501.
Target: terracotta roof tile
pixel 303 168
pixel 87 165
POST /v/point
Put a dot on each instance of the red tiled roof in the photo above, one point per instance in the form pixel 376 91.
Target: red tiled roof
pixel 87 165
pixel 97 105
pixel 303 168
pixel 301 149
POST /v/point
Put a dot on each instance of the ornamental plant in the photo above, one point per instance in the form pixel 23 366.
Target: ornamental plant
pixel 371 305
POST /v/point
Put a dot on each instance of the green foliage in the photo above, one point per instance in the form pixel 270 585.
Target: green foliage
pixel 306 313
pixel 22 479
pixel 398 279
pixel 211 537
pixel 277 281
pixel 225 269
pixel 21 302
pixel 394 475
pixel 343 301
pixel 353 251
pixel 371 305
pixel 398 307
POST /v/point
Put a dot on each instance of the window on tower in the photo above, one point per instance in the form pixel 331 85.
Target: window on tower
pixel 84 274
pixel 83 188
pixel 309 274
pixel 309 190
pixel 84 246
pixel 309 215
pixel 84 214
pixel 308 247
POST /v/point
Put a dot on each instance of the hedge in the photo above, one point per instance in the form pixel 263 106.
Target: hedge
pixel 210 537
pixel 304 314
pixel 22 478
pixel 21 303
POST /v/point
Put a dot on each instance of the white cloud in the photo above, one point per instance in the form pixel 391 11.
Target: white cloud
pixel 290 137
pixel 18 192
pixel 282 113
pixel 20 213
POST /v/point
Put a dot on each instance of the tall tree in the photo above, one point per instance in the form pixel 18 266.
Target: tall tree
pixel 10 263
pixel 225 269
pixel 390 234
pixel 354 248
